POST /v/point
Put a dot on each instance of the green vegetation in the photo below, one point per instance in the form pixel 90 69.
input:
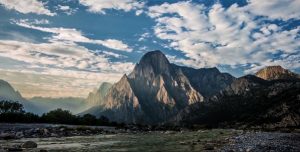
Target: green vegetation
pixel 13 112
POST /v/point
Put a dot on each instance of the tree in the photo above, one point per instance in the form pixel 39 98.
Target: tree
pixel 11 106
pixel 59 116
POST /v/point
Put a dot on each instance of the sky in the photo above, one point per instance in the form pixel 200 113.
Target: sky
pixel 69 47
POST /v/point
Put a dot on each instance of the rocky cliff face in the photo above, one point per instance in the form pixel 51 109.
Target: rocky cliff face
pixel 276 72
pixel 157 90
pixel 96 97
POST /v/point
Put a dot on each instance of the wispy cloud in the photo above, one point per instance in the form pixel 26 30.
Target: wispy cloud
pixel 73 35
pixel 58 68
pixel 27 6
pixel 275 9
pixel 60 55
pixel 99 6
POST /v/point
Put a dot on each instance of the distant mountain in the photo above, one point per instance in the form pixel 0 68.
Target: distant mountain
pixel 156 90
pixel 97 96
pixel 248 102
pixel 46 104
pixel 40 105
pixel 8 93
pixel 276 72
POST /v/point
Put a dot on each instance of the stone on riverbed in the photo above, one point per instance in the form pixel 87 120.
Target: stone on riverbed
pixel 7 136
pixel 29 144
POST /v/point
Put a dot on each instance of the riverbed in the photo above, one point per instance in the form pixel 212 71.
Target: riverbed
pixel 56 138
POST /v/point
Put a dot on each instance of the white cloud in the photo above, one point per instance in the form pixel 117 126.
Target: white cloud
pixel 99 6
pixel 59 55
pixel 27 6
pixel 71 35
pixel 144 36
pixel 66 9
pixel 217 36
pixel 58 68
pixel 112 54
pixel 275 9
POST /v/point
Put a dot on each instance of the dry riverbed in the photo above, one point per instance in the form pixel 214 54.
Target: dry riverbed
pixel 78 138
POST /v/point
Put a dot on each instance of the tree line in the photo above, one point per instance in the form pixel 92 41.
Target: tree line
pixel 13 112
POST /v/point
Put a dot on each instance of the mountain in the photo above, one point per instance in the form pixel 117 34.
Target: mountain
pixel 7 92
pixel 276 72
pixel 248 102
pixel 40 105
pixel 97 96
pixel 156 90
pixel 46 104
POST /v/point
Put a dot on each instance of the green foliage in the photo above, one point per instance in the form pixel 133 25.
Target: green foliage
pixel 11 107
pixel 13 112
pixel 59 116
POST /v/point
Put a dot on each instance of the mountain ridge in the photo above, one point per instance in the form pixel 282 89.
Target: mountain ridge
pixel 276 72
pixel 157 90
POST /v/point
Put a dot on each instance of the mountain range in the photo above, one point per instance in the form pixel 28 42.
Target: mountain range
pixel 248 102
pixel 157 91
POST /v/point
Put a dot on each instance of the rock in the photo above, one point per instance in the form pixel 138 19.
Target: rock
pixel 45 131
pixel 209 147
pixel 7 136
pixel 53 135
pixel 14 149
pixel 248 149
pixel 182 143
pixel 19 134
pixel 29 144
pixel 43 150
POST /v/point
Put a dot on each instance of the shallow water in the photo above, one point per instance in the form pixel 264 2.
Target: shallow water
pixel 141 142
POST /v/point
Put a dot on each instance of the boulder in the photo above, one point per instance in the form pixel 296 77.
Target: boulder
pixel 29 144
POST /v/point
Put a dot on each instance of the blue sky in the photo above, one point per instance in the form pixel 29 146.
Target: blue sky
pixel 68 47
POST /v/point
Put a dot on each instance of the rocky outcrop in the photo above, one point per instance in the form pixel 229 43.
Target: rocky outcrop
pixel 276 72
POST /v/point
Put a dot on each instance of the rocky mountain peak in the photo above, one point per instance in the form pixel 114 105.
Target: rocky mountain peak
pixel 154 62
pixel 276 72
